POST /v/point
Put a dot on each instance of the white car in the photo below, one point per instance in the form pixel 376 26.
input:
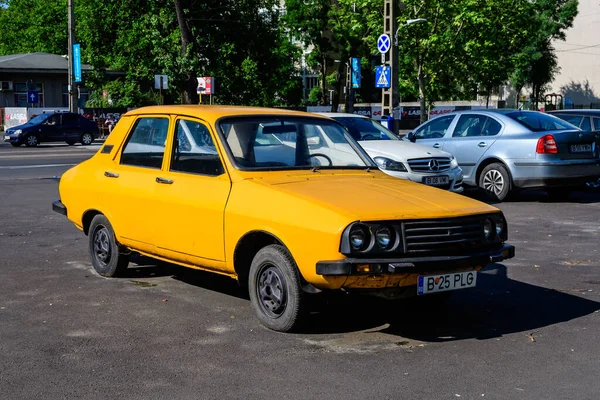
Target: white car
pixel 402 159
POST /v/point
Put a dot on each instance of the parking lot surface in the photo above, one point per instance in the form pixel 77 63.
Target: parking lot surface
pixel 529 330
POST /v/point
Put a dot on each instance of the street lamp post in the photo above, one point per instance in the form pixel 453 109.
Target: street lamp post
pixel 408 22
pixel 71 34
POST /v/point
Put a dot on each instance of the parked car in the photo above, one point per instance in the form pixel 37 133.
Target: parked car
pixel 587 120
pixel 286 226
pixel 503 150
pixel 53 127
pixel 401 159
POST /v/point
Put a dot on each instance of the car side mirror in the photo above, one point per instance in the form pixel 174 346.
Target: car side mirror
pixel 313 141
pixel 412 136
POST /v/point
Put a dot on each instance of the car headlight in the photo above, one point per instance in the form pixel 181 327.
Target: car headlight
pixel 389 165
pixel 17 132
pixel 501 227
pixel 360 237
pixel 385 237
pixel 489 228
pixel 453 163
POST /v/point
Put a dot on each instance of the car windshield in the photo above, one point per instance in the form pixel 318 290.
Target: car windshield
pixel 286 142
pixel 38 119
pixel 365 129
pixel 540 122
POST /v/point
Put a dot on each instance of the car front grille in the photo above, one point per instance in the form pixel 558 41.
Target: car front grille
pixel 429 165
pixel 449 235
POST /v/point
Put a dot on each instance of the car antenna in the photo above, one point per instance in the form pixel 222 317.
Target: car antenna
pixel 315 169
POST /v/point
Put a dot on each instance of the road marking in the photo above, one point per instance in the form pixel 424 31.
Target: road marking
pixel 36 166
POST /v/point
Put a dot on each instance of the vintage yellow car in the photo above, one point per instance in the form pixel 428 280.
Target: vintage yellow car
pixel 259 195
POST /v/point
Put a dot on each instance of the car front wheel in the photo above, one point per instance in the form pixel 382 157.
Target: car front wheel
pixel 87 139
pixel 31 141
pixel 275 292
pixel 108 258
pixel 495 182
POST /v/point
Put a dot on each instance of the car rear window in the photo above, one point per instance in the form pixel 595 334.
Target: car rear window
pixel 540 122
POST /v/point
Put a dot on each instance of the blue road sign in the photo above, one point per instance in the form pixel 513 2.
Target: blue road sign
pixel 32 97
pixel 383 43
pixel 383 75
pixel 77 62
pixel 355 73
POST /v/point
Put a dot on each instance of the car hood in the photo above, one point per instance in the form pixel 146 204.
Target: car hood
pixel 26 125
pixel 373 195
pixel 399 150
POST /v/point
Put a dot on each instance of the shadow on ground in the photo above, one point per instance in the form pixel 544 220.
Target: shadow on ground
pixel 583 196
pixel 498 306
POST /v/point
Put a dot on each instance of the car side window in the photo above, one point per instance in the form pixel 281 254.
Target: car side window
pixel 194 150
pixel 586 125
pixel 436 128
pixel 491 127
pixel 469 125
pixel 53 120
pixel 572 119
pixel 596 124
pixel 69 119
pixel 145 145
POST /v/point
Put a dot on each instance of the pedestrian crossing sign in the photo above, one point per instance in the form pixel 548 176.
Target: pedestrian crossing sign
pixel 383 77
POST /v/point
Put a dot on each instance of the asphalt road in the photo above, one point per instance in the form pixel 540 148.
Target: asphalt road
pixel 528 331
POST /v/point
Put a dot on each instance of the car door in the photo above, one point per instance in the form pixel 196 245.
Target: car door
pixel 433 132
pixel 193 190
pixel 50 129
pixel 471 137
pixel 130 197
pixel 70 126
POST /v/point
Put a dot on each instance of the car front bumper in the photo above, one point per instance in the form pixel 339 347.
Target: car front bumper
pixel 455 177
pixel 412 265
pixel 12 138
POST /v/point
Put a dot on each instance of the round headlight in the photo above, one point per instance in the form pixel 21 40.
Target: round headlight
pixel 384 237
pixel 360 237
pixel 500 227
pixel 488 228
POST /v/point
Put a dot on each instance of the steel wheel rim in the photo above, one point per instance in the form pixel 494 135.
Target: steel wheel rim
pixel 102 246
pixel 271 291
pixel 493 181
pixel 87 138
pixel 31 140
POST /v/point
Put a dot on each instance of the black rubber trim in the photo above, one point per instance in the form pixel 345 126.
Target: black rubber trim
pixel 59 207
pixel 415 264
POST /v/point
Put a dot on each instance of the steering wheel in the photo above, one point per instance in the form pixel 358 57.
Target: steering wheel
pixel 368 137
pixel 321 155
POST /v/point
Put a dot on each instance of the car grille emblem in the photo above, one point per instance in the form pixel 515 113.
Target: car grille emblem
pixel 434 165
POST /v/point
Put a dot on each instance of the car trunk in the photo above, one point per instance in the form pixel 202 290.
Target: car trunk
pixel 573 145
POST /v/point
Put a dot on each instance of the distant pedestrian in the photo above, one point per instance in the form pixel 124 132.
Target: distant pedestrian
pixel 110 122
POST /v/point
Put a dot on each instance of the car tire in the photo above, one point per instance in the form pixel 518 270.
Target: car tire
pixel 275 291
pixel 87 139
pixel 108 258
pixel 16 144
pixel 71 142
pixel 495 182
pixel 31 141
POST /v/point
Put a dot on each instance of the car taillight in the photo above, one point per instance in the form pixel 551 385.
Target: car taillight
pixel 546 145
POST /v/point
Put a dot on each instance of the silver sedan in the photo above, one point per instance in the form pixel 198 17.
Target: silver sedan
pixel 503 150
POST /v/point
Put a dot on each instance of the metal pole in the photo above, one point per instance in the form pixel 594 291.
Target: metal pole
pixel 71 84
pixel 390 95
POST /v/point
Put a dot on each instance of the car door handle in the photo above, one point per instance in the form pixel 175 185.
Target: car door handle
pixel 437 145
pixel 163 180
pixel 110 174
pixel 482 144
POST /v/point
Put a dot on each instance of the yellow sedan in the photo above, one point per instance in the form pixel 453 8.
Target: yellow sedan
pixel 285 202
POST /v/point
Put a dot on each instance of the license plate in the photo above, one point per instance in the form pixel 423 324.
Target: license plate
pixel 6 137
pixel 442 283
pixel 436 180
pixel 581 148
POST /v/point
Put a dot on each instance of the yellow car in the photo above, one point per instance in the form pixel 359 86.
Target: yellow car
pixel 259 195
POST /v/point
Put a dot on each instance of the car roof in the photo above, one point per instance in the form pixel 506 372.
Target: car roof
pixel 578 112
pixel 347 115
pixel 215 112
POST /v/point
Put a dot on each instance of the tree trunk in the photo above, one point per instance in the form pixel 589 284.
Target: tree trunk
pixel 188 92
pixel 422 99
pixel 487 100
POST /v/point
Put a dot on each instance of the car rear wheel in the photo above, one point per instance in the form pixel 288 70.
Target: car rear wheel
pixel 495 182
pixel 87 139
pixel 275 292
pixel 31 141
pixel 108 258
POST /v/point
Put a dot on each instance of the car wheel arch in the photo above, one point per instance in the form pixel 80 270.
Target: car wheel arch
pixel 87 218
pixel 489 161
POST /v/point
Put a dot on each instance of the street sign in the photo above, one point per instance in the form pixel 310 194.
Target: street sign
pixel 384 43
pixel 383 77
pixel 161 82
pixel 205 85
pixel 77 62
pixel 32 97
pixel 355 73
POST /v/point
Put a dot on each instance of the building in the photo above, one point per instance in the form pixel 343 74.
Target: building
pixel 579 59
